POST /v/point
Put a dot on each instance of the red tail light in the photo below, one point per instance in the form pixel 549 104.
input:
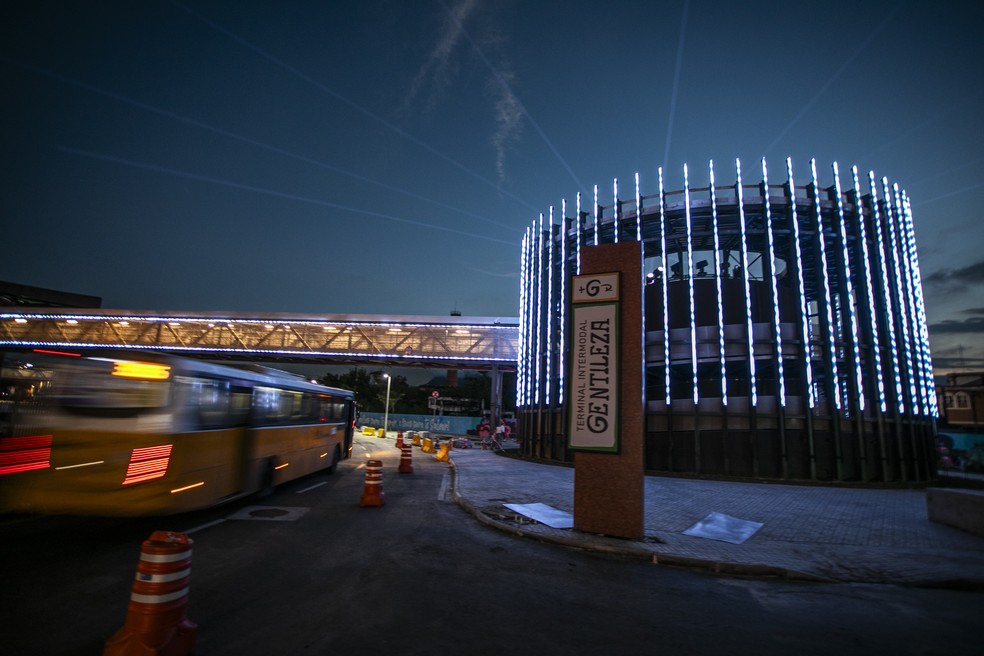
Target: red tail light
pixel 20 454
pixel 148 463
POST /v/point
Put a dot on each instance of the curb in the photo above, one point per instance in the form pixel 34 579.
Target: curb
pixel 727 568
pixel 639 553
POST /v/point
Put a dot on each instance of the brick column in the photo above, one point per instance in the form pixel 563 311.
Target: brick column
pixel 609 488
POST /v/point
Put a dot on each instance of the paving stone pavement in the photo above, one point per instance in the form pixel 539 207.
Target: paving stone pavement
pixel 809 532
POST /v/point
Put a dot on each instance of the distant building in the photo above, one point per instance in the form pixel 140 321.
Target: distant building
pixel 785 328
pixel 16 295
pixel 962 399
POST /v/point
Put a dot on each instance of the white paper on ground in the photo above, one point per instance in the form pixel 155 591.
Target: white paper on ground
pixel 718 526
pixel 543 513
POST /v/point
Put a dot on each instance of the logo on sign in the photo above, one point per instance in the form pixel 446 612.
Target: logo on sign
pixel 602 287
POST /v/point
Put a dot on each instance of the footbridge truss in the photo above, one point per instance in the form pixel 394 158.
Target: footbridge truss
pixel 455 341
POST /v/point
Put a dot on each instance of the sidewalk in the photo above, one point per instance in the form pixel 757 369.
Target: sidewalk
pixel 808 533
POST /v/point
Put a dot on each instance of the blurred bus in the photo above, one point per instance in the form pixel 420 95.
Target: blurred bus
pixel 146 434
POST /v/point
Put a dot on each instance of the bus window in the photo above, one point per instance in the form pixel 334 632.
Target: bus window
pixel 291 402
pixel 325 409
pixel 216 403
pixel 91 388
pixel 210 398
pixel 266 406
pixel 239 400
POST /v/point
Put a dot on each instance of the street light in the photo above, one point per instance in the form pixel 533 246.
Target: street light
pixel 386 412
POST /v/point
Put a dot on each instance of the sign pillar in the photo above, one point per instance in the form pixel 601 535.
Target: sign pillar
pixel 606 415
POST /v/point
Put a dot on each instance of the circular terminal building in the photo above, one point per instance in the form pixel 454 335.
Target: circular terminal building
pixel 785 329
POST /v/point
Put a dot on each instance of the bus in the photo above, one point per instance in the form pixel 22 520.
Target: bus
pixel 124 434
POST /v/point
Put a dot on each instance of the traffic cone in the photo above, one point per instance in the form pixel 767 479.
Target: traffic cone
pixel 156 622
pixel 406 459
pixel 399 440
pixel 372 492
pixel 442 452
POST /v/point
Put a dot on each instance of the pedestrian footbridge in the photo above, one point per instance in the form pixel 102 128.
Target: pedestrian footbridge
pixel 455 341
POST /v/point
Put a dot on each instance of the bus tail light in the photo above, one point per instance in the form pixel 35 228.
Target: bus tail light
pixel 20 454
pixel 148 463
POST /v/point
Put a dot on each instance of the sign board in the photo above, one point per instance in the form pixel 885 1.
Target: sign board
pixel 594 357
pixel 595 288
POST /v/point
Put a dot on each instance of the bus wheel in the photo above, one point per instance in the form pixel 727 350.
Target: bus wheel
pixel 266 479
pixel 335 457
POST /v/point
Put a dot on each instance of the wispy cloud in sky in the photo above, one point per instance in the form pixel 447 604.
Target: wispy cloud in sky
pixel 968 275
pixel 438 70
pixel 508 121
pixel 468 4
pixel 974 326
pixel 441 66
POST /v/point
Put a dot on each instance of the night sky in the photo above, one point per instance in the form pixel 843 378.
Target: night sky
pixel 385 157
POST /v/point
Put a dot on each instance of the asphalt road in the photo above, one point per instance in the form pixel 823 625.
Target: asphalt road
pixel 309 571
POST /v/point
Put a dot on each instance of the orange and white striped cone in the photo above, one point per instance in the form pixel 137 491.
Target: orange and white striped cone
pixel 399 440
pixel 372 492
pixel 156 622
pixel 406 459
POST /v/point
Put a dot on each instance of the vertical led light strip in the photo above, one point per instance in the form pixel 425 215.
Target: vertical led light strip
pixel 666 287
pixel 913 318
pixel 828 304
pixel 919 316
pixel 562 301
pixel 537 397
pixel 775 284
pixel 577 269
pixel 530 319
pixel 717 280
pixel 890 212
pixel 886 291
pixel 690 276
pixel 921 304
pixel 845 254
pixel 639 213
pixel 597 215
pixel 532 322
pixel 920 342
pixel 548 338
pixel 521 364
pixel 869 286
pixel 804 317
pixel 616 207
pixel 748 288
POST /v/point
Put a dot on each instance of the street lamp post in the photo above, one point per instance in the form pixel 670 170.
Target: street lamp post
pixel 386 412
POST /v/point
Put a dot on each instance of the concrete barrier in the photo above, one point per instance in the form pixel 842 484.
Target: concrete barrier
pixel 963 509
